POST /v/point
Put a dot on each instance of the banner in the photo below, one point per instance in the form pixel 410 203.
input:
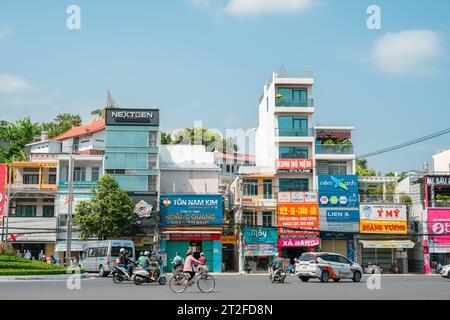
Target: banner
pixel 3 175
pixel 338 191
pixel 390 219
pixel 295 165
pixel 439 227
pixel 260 235
pixel 297 197
pixel 307 242
pixel 191 210
pixel 298 216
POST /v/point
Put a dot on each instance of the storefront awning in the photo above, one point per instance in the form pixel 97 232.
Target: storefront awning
pixel 61 246
pixel 387 244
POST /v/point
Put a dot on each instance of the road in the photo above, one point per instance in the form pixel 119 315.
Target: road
pixel 236 287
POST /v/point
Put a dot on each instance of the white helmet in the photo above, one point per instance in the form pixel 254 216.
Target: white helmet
pixel 146 253
pixel 122 250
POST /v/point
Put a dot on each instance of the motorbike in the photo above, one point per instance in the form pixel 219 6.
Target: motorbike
pixel 120 274
pixel 279 276
pixel 141 275
pixel 370 268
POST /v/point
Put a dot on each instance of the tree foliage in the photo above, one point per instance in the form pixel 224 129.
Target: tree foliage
pixel 14 137
pixel 363 170
pixel 201 136
pixel 61 124
pixel 108 214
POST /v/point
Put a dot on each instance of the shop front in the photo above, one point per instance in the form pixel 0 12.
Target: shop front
pixel 298 219
pixel 338 213
pixel 383 238
pixel 439 240
pixel 260 246
pixel 230 253
pixel 192 222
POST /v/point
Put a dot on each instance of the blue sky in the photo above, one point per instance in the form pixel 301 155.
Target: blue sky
pixel 208 60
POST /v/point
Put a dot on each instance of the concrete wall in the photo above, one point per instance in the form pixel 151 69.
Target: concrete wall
pixel 441 162
pixel 189 181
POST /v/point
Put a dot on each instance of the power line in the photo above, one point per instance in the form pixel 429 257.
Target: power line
pixel 405 144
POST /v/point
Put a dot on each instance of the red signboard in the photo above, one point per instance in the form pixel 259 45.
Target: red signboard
pixel 194 236
pixel 298 216
pixel 333 135
pixel 297 165
pixel 3 174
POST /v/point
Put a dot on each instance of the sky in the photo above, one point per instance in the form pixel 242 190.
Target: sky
pixel 208 60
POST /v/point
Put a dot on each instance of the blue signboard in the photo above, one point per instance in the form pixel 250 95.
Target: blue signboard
pixel 338 191
pixel 260 235
pixel 191 210
pixel 337 215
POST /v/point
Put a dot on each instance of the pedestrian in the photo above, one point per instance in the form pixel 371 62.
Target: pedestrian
pixel 438 267
pixel 27 255
pixel 41 256
pixel 19 254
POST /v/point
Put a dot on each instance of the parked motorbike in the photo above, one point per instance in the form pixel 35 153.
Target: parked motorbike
pixel 141 275
pixel 370 268
pixel 279 276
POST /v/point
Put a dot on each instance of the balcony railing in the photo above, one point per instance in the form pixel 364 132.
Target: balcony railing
pixel 294 132
pixel 286 102
pixel 334 149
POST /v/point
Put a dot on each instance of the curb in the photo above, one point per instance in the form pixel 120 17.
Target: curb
pixel 41 278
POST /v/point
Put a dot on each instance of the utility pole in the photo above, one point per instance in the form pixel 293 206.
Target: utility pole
pixel 69 212
pixel 8 199
pixel 241 246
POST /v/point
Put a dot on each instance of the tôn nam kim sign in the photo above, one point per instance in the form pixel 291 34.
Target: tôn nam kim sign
pixel 191 210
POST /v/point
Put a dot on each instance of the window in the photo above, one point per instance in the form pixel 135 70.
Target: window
pixel 48 211
pixel 292 97
pixel 152 139
pixel 31 179
pixel 267 189
pixel 79 174
pixel 294 152
pixel 267 219
pixel 337 168
pixel 291 184
pixel 115 171
pixel 343 260
pixel 293 126
pixel 152 160
pixel 251 188
pixel 250 218
pixel 52 179
pixel 95 173
pixel 75 145
pixel 25 211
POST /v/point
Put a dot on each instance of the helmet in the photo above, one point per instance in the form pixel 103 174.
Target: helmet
pixel 146 253
pixel 122 250
pixel 202 254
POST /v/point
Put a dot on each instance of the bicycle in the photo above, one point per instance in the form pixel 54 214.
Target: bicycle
pixel 179 282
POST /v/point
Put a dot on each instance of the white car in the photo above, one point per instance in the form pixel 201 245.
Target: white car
pixel 325 266
pixel 445 272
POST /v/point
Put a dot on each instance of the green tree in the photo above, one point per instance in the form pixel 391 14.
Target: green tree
pixel 212 140
pixel 363 170
pixel 61 123
pixel 14 137
pixel 108 214
pixel 166 138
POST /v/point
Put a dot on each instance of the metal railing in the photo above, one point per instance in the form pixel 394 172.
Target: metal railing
pixel 291 103
pixel 334 149
pixel 294 132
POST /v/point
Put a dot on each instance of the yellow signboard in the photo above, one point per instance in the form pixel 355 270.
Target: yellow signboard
pixel 382 226
pixel 228 239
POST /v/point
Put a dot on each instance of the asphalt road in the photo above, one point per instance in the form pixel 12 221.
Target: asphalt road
pixel 236 287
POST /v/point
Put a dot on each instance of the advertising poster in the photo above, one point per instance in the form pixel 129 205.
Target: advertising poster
pixel 383 219
pixel 439 229
pixel 191 210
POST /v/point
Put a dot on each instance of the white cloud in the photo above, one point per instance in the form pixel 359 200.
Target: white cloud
pixel 6 32
pixel 10 83
pixel 406 52
pixel 260 7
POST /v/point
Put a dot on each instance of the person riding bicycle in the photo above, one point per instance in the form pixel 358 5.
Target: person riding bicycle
pixel 276 264
pixel 189 263
pixel 125 261
pixel 177 261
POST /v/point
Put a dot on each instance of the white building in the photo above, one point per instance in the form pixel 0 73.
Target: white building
pixel 441 161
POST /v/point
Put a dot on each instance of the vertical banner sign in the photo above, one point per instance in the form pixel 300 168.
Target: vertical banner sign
pixel 3 174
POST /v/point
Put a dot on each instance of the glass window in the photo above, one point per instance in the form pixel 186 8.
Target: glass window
pixel 307 257
pixel 31 179
pixel 79 174
pixel 267 189
pixel 152 139
pixel 292 184
pixel 249 218
pixel 296 126
pixel 95 173
pixel 52 179
pixel 152 183
pixel 267 219
pixel 25 211
pixel 127 138
pixel 294 152
pixel 337 168
pixel 48 211
pixel 251 188
pixel 292 97
pixel 343 260
pixel 152 160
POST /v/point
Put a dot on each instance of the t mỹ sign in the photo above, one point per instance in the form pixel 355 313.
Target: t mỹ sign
pixel 383 219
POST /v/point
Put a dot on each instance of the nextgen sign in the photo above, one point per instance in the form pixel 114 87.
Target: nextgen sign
pixel 144 117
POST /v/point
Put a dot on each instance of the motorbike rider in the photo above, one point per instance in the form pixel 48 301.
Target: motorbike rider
pixel 144 262
pixel 153 266
pixel 177 261
pixel 124 260
pixel 276 264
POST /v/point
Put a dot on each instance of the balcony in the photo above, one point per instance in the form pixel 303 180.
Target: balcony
pixel 294 103
pixel 294 132
pixel 334 149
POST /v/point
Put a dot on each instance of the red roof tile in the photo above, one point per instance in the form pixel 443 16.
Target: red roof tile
pixel 91 127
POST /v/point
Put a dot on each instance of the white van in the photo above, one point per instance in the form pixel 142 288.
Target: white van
pixel 98 256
